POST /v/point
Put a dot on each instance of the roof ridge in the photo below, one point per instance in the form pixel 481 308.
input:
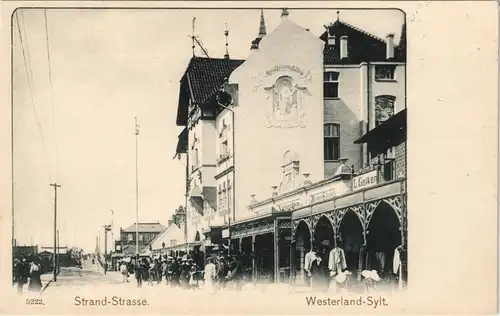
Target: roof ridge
pixel 217 58
pixel 361 30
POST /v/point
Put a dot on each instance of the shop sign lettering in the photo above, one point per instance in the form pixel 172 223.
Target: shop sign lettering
pixel 365 180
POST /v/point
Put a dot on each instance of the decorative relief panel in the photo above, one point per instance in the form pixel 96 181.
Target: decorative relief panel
pixel 287 97
pixel 290 206
pixel 286 87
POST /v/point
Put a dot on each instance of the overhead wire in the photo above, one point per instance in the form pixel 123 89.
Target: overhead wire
pixel 62 219
pixel 33 103
pixel 54 126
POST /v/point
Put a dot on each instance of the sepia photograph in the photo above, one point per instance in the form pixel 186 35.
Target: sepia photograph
pixel 209 152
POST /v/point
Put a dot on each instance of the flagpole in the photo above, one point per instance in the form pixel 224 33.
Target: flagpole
pixel 136 188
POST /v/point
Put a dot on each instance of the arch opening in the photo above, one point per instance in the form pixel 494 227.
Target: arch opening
pixel 324 235
pixel 384 236
pixel 302 240
pixel 351 239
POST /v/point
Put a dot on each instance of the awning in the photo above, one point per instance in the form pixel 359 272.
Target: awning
pixel 183 246
pixel 198 196
pixel 388 133
pixel 182 143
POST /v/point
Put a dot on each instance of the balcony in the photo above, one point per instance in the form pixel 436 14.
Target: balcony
pixel 222 158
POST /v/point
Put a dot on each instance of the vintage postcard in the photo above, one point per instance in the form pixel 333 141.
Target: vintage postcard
pixel 243 158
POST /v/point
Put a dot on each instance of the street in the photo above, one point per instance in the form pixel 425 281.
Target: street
pixel 89 287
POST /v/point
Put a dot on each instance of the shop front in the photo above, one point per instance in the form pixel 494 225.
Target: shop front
pixel 369 225
pixel 264 243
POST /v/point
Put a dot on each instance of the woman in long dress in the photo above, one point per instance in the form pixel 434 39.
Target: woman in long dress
pixel 35 284
pixel 210 274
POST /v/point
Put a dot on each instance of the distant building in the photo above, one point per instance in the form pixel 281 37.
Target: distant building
pixel 146 232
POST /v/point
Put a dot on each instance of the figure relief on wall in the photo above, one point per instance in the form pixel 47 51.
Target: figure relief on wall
pixel 286 103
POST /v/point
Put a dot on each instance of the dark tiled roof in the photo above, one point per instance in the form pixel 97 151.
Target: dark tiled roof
pixel 362 46
pixel 202 79
pixel 146 228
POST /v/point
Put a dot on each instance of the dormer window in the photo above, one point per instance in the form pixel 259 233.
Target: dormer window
pixel 384 72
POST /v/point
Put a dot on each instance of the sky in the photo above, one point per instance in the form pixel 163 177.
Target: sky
pixel 108 66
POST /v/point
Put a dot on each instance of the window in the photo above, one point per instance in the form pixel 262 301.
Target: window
pixel 384 108
pixel 223 148
pixel 130 237
pixel 220 197
pixel 389 170
pixel 384 72
pixel 195 159
pixel 224 193
pixel 229 198
pixel 332 141
pixel 141 237
pixel 147 237
pixel 331 84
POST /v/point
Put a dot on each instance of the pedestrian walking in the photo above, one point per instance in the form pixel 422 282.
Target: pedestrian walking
pixel 185 274
pixel 138 271
pixel 124 271
pixel 235 272
pixel 21 274
pixel 209 275
pixel 35 284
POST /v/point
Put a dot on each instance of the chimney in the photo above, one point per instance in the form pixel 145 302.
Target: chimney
pixel 343 47
pixel 331 38
pixel 389 46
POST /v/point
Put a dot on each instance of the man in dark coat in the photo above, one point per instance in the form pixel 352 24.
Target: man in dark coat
pixel 236 271
pixel 138 270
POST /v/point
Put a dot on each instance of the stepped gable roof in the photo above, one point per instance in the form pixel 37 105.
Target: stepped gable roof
pixel 362 46
pixel 202 78
pixel 146 228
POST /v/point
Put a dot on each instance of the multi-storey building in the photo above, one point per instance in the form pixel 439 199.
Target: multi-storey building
pixel 146 233
pixel 276 140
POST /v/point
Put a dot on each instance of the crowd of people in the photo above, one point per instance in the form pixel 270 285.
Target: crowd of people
pixel 27 272
pixel 218 272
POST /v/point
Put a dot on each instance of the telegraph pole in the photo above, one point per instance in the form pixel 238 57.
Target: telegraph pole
pixel 136 187
pixel 55 185
pixel 58 254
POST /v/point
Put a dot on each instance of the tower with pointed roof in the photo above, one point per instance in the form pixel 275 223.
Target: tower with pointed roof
pixel 262 31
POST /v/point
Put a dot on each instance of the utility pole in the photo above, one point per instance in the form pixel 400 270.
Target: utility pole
pixel 136 187
pixel 55 185
pixel 112 228
pixel 58 255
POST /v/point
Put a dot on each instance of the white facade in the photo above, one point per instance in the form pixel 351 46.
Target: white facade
pixel 280 98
